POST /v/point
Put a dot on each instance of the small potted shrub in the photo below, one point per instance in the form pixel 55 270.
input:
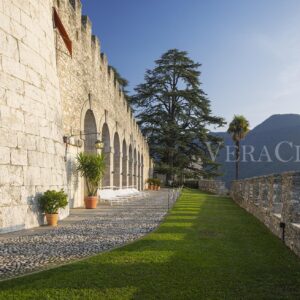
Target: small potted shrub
pixel 51 202
pixel 157 184
pixel 154 180
pixel 91 167
pixel 150 184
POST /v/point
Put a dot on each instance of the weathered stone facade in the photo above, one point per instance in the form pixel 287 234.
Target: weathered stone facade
pixel 46 94
pixel 212 186
pixel 275 201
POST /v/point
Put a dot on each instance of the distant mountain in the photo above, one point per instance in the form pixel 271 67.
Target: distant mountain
pixel 264 139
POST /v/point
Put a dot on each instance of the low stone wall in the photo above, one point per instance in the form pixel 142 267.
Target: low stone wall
pixel 212 186
pixel 275 201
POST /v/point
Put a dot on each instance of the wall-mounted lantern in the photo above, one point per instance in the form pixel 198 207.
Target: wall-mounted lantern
pixel 99 145
pixel 70 140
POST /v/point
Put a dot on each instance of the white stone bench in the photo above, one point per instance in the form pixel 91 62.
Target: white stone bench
pixel 119 196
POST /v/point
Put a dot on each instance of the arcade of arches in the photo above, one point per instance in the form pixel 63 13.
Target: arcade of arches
pixel 124 162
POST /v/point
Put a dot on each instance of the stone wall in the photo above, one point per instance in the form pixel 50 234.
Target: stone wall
pixel 275 201
pixel 31 148
pixel 46 94
pixel 212 186
pixel 88 87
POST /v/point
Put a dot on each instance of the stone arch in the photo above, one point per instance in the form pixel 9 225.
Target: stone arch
pixel 90 132
pixel 88 105
pixel 124 164
pixel 116 165
pixel 134 168
pixel 139 170
pixel 89 136
pixel 130 167
pixel 142 172
pixel 107 153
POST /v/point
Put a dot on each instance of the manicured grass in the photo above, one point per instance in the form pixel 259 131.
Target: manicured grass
pixel 207 248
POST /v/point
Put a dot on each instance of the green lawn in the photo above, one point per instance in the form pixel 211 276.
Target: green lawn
pixel 207 248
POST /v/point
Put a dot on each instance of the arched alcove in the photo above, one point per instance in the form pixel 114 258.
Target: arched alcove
pixel 90 132
pixel 130 165
pixel 116 166
pixel 124 164
pixel 89 136
pixel 139 171
pixel 107 152
pixel 135 169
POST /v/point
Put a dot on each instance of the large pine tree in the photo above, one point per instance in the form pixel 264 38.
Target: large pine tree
pixel 174 114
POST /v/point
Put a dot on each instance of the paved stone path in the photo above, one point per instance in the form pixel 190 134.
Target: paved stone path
pixel 84 233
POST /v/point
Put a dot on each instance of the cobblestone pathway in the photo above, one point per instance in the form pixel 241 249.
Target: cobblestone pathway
pixel 84 233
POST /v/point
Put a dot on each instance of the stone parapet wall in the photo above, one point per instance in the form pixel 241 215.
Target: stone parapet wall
pixel 212 186
pixel 275 201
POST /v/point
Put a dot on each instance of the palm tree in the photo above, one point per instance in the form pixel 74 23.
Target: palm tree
pixel 238 129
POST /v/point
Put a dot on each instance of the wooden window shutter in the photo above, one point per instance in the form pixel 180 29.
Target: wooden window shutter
pixel 59 25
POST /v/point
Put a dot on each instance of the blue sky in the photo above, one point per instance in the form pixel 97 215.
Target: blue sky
pixel 249 49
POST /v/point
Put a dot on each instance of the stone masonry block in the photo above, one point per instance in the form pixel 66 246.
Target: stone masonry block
pixel 12 11
pixel 7 138
pixel 11 175
pixel 33 92
pixel 33 77
pixel 17 30
pixel 8 44
pixel 2 96
pixel 13 67
pixel 28 195
pixel 26 55
pixel 4 22
pixel 31 124
pixel 35 159
pixel 26 141
pixel 19 157
pixel 14 99
pixel 4 155
pixel 11 119
pixel 32 176
pixel 40 144
pixel 12 83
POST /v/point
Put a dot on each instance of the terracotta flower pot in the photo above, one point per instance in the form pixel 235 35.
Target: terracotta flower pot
pixel 52 219
pixel 91 202
pixel 156 187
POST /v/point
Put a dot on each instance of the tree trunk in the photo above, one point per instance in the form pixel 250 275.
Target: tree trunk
pixel 168 178
pixel 237 159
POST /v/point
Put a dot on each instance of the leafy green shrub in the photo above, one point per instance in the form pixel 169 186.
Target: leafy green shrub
pixel 91 167
pixel 150 181
pixel 154 181
pixel 52 201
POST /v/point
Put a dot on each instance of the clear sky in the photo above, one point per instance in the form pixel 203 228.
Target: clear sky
pixel 249 49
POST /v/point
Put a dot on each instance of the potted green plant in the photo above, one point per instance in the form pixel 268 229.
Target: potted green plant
pixel 157 184
pixel 150 183
pixel 91 167
pixel 50 203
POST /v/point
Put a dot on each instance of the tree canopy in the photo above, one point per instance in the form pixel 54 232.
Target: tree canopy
pixel 174 114
pixel 238 129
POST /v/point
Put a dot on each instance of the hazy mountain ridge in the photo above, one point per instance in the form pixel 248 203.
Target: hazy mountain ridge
pixel 275 129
